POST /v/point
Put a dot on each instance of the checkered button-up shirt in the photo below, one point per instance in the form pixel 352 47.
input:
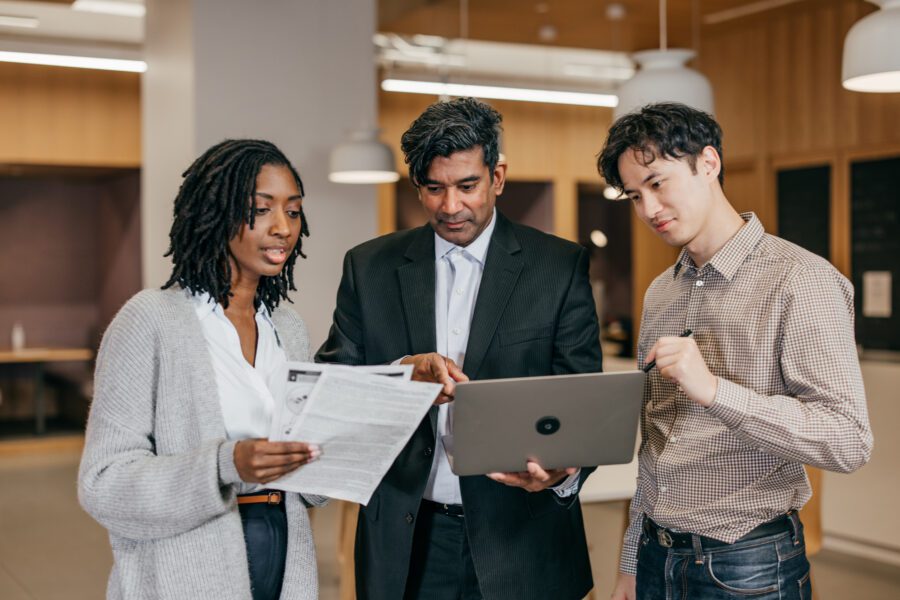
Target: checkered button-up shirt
pixel 774 323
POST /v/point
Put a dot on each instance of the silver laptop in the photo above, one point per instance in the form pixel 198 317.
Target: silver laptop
pixel 558 421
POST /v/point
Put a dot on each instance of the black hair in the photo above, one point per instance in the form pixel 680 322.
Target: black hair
pixel 665 129
pixel 448 127
pixel 215 199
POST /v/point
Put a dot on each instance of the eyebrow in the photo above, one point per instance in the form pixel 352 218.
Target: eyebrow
pixel 271 197
pixel 645 180
pixel 469 179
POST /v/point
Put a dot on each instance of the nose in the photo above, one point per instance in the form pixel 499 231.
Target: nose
pixel 452 203
pixel 279 225
pixel 649 207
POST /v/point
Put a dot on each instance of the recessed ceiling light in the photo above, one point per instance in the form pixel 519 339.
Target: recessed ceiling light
pixel 611 193
pixel 599 239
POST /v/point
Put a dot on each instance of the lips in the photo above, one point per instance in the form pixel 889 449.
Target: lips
pixel 662 226
pixel 454 225
pixel 276 255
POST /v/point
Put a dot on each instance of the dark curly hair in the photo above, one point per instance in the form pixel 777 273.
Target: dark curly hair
pixel 448 127
pixel 215 199
pixel 666 129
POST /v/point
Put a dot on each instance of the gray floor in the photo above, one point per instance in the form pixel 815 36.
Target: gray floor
pixel 50 549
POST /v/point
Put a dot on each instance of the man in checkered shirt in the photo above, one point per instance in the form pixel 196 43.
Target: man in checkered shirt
pixel 767 381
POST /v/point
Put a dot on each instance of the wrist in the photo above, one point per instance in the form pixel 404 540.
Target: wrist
pixel 705 394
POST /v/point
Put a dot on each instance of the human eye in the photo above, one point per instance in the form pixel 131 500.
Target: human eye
pixel 467 187
pixel 294 214
pixel 260 210
pixel 433 189
pixel 656 184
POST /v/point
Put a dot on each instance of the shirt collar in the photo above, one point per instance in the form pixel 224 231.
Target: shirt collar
pixel 205 306
pixel 477 249
pixel 732 255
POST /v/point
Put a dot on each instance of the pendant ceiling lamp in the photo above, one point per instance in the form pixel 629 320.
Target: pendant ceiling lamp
pixel 663 77
pixel 872 51
pixel 362 159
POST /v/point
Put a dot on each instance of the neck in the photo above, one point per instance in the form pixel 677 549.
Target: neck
pixel 721 225
pixel 243 292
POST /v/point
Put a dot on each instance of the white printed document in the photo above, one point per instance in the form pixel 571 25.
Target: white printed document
pixel 361 417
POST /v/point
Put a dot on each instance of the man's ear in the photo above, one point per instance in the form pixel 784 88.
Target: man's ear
pixel 709 163
pixel 499 177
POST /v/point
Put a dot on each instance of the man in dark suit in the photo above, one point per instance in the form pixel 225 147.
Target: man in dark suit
pixel 470 295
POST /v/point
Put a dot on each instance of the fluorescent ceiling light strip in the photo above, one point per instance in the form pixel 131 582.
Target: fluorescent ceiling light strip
pixel 79 62
pixel 493 92
pixel 18 21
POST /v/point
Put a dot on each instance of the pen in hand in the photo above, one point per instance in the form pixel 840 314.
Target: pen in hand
pixel 652 363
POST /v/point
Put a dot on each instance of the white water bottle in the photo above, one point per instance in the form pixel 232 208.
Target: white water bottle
pixel 18 337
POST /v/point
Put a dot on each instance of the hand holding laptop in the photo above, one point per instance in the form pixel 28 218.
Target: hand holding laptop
pixel 535 479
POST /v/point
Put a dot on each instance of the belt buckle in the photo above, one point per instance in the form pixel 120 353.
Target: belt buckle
pixel 274 498
pixel 664 538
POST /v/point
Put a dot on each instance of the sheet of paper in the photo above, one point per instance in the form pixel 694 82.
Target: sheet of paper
pixel 876 294
pixel 294 382
pixel 361 420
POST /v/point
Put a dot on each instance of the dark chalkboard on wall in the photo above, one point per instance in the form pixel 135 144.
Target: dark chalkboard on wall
pixel 875 210
pixel 804 206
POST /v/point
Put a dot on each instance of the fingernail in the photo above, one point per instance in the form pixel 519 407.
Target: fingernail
pixel 315 454
pixel 314 448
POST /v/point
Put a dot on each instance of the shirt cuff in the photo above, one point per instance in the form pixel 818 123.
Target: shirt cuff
pixel 227 471
pixel 568 486
pixel 731 404
pixel 628 558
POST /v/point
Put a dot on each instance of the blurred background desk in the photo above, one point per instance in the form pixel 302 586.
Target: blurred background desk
pixel 31 362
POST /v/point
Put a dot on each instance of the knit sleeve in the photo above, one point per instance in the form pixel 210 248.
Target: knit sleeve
pixel 122 482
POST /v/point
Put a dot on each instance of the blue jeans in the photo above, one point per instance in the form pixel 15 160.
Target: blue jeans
pixel 265 534
pixel 773 567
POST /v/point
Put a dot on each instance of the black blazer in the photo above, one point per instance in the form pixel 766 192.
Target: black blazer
pixel 534 315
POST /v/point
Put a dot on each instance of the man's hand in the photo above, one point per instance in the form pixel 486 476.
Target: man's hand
pixel 435 368
pixel 678 359
pixel 625 588
pixel 535 479
pixel 261 461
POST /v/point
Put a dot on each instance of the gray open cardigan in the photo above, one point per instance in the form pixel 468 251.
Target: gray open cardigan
pixel 157 470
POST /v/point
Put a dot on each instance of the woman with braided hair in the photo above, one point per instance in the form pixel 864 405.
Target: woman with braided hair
pixel 175 459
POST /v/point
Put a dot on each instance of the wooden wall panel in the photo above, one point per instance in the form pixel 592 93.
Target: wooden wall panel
pixel 780 102
pixel 77 117
pixel 740 109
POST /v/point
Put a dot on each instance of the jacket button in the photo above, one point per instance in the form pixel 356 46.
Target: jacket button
pixel 409 518
pixel 427 451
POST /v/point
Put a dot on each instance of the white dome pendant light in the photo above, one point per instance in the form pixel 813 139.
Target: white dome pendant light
pixel 872 51
pixel 362 159
pixel 663 77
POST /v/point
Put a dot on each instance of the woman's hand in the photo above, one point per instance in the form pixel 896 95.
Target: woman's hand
pixel 261 461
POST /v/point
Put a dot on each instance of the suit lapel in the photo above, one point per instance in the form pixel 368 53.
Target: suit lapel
pixel 417 282
pixel 501 271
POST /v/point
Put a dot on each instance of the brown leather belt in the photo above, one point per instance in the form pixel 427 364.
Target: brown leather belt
pixel 261 498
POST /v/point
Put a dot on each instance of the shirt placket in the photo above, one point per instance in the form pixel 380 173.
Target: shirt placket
pixel 696 283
